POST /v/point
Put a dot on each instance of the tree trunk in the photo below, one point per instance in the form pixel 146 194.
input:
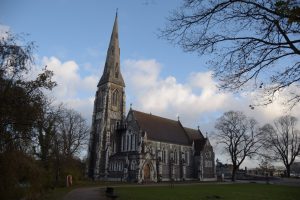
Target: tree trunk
pixel 233 176
pixel 288 170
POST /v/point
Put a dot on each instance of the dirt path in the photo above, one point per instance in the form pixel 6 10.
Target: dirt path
pixel 92 193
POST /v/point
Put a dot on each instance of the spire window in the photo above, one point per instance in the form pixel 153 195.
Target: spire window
pixel 115 97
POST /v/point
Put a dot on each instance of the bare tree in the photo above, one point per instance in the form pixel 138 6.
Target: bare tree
pixel 266 166
pixel 253 41
pixel 46 131
pixel 239 136
pixel 282 141
pixel 73 131
pixel 60 135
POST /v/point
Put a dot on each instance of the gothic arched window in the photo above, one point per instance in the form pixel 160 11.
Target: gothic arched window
pixel 187 157
pixel 115 97
pixel 176 157
pixel 163 156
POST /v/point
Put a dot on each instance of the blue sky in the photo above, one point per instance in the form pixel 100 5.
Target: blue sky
pixel 80 30
pixel 72 38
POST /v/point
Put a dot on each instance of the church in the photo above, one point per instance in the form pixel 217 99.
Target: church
pixel 140 147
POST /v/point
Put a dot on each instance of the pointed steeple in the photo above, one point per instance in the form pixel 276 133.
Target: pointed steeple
pixel 112 71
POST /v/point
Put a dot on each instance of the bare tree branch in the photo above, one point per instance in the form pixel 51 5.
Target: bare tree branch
pixel 253 42
pixel 282 141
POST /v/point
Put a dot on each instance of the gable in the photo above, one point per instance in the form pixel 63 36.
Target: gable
pixel 193 134
pixel 202 145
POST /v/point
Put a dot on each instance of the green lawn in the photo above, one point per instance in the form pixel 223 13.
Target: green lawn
pixel 211 191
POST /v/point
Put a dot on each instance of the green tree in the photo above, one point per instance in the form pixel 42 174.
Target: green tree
pixel 21 105
pixel 39 141
pixel 21 176
pixel 21 98
pixel 255 43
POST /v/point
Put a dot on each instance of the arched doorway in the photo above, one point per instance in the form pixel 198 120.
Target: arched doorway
pixel 146 172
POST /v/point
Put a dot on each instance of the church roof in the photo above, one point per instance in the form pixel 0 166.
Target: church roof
pixel 165 130
pixel 193 133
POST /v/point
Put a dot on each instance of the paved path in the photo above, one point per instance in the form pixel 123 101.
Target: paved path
pixel 288 181
pixel 91 193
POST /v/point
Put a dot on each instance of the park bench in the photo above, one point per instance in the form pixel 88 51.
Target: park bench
pixel 109 192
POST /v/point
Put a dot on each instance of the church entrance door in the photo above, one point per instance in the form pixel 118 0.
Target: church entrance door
pixel 147 172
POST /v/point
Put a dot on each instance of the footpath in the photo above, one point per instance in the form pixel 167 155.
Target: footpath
pixel 91 193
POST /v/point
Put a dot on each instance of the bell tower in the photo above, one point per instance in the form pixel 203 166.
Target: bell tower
pixel 109 110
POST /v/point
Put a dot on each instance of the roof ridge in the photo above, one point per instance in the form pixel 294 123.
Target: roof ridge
pixel 155 115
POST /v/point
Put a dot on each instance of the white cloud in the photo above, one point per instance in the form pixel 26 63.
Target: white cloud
pixel 65 74
pixel 70 83
pixel 203 80
pixel 165 96
pixel 197 101
pixel 142 73
pixel 73 90
pixel 82 105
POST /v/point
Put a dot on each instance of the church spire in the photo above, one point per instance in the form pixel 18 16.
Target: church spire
pixel 112 71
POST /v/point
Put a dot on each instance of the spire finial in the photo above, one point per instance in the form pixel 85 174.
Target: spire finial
pixel 198 128
pixel 178 118
pixel 117 12
pixel 130 106
pixel 206 134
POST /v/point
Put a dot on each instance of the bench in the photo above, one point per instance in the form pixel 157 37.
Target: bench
pixel 109 192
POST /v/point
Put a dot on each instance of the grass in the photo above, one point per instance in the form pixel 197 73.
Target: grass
pixel 211 191
pixel 190 192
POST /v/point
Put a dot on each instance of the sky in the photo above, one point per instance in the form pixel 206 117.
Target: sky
pixel 72 38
